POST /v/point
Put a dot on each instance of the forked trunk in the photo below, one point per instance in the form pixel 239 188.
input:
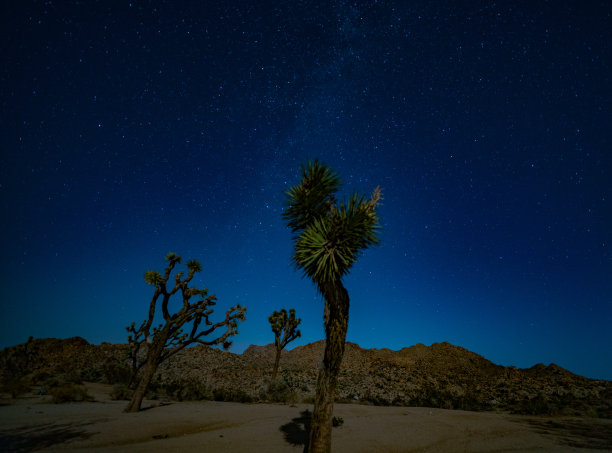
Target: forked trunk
pixel 336 325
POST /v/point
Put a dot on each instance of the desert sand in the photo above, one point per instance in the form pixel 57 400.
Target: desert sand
pixel 33 423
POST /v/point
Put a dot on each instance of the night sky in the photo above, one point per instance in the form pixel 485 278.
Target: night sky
pixel 130 129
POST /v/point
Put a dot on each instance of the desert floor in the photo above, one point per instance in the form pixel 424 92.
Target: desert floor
pixel 33 424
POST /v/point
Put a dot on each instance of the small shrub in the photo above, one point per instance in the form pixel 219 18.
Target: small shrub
pixel 48 384
pixel 71 377
pixel 280 392
pixel 115 373
pixel 537 405
pixel 121 392
pixel 243 397
pixel 194 391
pixel 308 399
pixel 238 396
pixel 90 374
pixel 40 377
pixel 16 386
pixel 376 400
pixel 170 389
pixel 590 412
pixel 69 393
pixel 157 389
pixel 337 421
pixel 190 390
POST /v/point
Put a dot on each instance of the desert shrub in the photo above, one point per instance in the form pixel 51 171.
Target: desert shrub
pixel 380 401
pixel 16 386
pixel 221 394
pixel 280 392
pixel 337 421
pixel 70 393
pixel 243 397
pixel 538 405
pixel 470 402
pixel 309 399
pixel 121 392
pixel 192 390
pixel 238 396
pixel 116 373
pixel 65 366
pixel 41 377
pixel 590 411
pixel 90 374
pixel 398 401
pixel 445 397
pixel 157 389
pixel 189 390
pixel 376 400
pixel 170 389
pixel 71 377
pixel 48 384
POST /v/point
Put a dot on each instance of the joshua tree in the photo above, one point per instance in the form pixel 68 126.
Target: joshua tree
pixel 285 331
pixel 328 237
pixel 168 338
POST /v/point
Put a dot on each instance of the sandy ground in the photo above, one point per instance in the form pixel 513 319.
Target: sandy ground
pixel 34 424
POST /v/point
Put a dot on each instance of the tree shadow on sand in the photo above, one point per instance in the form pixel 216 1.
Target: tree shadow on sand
pixel 296 432
pixel 28 438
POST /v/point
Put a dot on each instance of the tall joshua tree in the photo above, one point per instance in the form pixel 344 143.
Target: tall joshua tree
pixel 328 237
pixel 285 331
pixel 168 338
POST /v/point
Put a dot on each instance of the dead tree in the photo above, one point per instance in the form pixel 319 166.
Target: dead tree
pixel 178 330
pixel 285 331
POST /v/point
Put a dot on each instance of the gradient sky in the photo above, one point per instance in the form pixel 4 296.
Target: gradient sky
pixel 130 129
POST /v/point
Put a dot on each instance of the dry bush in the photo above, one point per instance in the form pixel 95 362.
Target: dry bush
pixel 69 393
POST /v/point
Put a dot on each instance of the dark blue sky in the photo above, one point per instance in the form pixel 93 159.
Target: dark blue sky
pixel 130 129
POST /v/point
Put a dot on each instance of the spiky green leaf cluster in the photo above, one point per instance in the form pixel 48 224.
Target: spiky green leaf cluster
pixel 312 198
pixel 153 278
pixel 329 235
pixel 171 256
pixel 194 265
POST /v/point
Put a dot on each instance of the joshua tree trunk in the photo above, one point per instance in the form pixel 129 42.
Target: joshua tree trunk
pixel 153 360
pixel 276 362
pixel 141 388
pixel 336 325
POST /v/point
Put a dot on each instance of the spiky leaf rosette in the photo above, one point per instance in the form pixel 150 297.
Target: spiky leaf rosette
pixel 171 256
pixel 329 237
pixel 153 278
pixel 312 197
pixel 194 265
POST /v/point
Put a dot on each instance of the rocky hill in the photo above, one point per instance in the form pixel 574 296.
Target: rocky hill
pixel 440 375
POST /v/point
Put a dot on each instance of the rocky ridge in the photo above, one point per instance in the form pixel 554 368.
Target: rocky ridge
pixel 440 375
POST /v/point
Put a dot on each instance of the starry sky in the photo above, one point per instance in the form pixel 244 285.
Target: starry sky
pixel 130 129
